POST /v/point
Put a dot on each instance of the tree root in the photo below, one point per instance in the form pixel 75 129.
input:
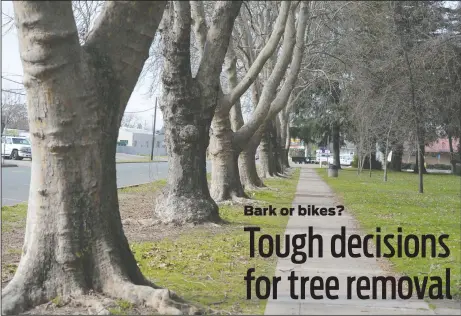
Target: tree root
pixel 162 301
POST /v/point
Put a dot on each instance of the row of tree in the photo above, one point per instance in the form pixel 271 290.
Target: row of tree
pixel 392 77
pixel 217 60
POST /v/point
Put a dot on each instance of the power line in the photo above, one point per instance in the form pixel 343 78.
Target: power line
pixel 142 111
pixel 11 91
pixel 13 81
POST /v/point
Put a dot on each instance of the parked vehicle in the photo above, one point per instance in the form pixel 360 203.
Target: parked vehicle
pixel 345 160
pixel 298 155
pixel 16 147
pixel 324 157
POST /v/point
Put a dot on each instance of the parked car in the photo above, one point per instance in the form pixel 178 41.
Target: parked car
pixel 16 147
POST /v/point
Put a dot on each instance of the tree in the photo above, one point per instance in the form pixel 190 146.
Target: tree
pixel 270 101
pixel 14 111
pixel 188 107
pixel 130 120
pixel 225 145
pixel 74 239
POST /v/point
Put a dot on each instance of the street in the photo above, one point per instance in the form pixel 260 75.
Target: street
pixel 15 180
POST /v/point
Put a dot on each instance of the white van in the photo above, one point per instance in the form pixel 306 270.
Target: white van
pixel 16 147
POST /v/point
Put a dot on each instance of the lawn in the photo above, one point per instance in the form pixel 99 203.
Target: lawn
pixel 397 203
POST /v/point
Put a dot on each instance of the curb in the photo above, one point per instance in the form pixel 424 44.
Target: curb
pixel 134 185
pixel 124 187
pixel 8 165
pixel 130 161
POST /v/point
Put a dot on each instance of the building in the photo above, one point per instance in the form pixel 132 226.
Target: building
pixel 16 132
pixel 437 152
pixel 136 141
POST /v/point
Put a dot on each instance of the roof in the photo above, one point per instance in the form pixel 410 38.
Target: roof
pixel 441 145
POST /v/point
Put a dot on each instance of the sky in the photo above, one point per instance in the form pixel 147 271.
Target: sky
pixel 12 70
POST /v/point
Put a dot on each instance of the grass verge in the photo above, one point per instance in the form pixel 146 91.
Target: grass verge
pixel 397 203
pixel 207 267
pixel 13 216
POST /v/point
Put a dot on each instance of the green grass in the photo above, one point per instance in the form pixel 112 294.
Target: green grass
pixel 208 268
pixel 13 216
pixel 397 203
pixel 147 187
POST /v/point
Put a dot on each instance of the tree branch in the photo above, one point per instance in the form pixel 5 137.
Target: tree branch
pixel 48 37
pixel 200 27
pixel 217 41
pixel 263 56
pixel 269 91
pixel 282 97
pixel 176 49
pixel 119 36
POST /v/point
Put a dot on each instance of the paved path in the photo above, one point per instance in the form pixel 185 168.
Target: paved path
pixel 313 190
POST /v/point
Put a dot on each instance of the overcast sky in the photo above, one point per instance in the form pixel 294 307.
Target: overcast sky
pixel 12 69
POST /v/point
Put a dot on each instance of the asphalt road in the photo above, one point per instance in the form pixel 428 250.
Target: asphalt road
pixel 15 180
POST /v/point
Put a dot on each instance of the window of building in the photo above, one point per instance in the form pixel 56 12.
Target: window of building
pixel 147 144
pixel 134 143
pixel 158 144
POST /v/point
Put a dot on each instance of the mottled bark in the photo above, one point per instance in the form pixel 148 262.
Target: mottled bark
pixel 74 240
pixel 188 107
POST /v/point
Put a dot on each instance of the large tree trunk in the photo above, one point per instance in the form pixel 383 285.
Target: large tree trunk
pixel 284 141
pixel 225 177
pixel 266 157
pixel 247 167
pixel 278 148
pixel 186 198
pixel 336 146
pixel 188 107
pixel 74 240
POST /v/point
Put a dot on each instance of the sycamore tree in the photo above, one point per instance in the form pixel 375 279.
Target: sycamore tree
pixel 188 105
pixel 76 96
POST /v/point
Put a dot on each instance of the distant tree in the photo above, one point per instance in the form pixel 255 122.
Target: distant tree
pixel 14 112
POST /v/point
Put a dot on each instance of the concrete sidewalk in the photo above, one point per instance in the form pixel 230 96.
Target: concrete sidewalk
pixel 312 190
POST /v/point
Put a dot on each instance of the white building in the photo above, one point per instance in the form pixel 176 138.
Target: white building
pixel 139 142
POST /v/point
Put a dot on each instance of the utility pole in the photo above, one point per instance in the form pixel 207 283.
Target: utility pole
pixel 153 132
